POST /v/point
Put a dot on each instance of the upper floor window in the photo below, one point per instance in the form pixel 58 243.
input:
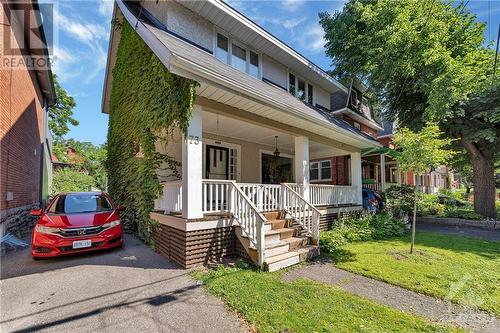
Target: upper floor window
pixel 320 170
pixel 300 88
pixel 237 55
pixel 222 50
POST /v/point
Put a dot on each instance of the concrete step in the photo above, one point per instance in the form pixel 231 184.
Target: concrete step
pixel 287 259
pixel 277 248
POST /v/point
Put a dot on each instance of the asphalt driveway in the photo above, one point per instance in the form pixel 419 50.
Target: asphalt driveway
pixel 126 290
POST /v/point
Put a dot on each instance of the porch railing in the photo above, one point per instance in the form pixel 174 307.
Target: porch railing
pixel 301 210
pixel 322 195
pixel 265 197
pixel 215 195
pixel 171 199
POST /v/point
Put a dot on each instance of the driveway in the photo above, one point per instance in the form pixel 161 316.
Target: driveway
pixel 126 290
pixel 460 230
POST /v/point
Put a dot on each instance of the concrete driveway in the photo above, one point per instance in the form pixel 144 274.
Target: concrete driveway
pixel 125 290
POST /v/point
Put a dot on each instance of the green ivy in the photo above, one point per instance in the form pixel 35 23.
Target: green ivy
pixel 147 104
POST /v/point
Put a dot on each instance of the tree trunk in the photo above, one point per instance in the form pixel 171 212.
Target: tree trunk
pixel 483 179
pixel 414 221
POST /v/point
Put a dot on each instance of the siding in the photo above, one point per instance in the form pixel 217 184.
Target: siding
pixel 274 71
pixel 322 97
pixel 183 22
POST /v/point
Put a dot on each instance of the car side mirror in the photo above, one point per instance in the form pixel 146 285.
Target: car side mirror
pixel 120 208
pixel 36 212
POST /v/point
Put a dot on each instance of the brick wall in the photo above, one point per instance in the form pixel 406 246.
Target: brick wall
pixel 368 130
pixel 21 124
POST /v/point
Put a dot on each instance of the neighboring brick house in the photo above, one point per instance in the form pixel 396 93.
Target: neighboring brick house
pixel 26 93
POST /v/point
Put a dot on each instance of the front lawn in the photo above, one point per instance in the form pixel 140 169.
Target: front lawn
pixel 464 270
pixel 271 305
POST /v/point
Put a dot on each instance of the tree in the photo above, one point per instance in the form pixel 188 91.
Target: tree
pixel 61 114
pixel 461 164
pixel 419 153
pixel 422 60
pixel 71 180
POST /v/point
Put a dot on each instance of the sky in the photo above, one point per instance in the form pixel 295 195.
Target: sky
pixel 83 29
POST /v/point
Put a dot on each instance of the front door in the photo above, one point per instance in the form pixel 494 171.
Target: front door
pixel 217 163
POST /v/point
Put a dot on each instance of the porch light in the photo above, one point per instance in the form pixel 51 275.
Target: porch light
pixel 276 151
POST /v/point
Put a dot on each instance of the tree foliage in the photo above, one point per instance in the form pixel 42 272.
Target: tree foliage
pixel 147 104
pixel 424 60
pixel 61 114
pixel 422 151
pixel 71 180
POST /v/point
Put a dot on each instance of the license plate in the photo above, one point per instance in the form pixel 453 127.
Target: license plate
pixel 82 244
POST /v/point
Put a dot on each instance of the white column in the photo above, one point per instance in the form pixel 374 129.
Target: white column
pixel 356 177
pixel 302 164
pixel 399 173
pixel 382 171
pixel 192 156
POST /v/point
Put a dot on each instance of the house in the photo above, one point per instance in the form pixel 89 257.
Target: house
pixel 379 165
pixel 262 112
pixel 26 93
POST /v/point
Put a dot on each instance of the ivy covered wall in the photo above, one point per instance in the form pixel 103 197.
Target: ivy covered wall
pixel 147 104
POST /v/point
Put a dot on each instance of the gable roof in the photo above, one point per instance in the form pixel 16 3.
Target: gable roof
pixel 182 58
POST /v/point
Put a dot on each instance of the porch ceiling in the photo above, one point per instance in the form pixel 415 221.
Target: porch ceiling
pixel 238 129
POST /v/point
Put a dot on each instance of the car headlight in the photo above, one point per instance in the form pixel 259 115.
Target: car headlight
pixel 47 230
pixel 111 224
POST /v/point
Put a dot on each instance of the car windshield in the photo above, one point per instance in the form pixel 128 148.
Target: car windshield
pixel 80 203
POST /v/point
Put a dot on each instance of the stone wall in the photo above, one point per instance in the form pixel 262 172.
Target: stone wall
pixel 18 221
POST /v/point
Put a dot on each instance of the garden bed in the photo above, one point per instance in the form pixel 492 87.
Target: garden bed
pixel 483 224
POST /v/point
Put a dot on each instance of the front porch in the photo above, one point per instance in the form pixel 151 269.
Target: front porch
pixel 245 190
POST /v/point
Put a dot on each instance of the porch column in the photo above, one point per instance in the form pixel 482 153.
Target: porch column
pixel 302 164
pixel 399 173
pixel 192 157
pixel 356 177
pixel 382 171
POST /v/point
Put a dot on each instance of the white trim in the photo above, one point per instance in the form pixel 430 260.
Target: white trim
pixel 268 152
pixel 356 116
pixel 224 145
pixel 319 179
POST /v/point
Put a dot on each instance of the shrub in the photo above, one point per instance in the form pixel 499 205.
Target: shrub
pixel 428 205
pixel 363 228
pixel 71 180
pixel 399 200
pixel 462 213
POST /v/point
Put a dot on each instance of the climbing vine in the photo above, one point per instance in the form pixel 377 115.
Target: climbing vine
pixel 147 104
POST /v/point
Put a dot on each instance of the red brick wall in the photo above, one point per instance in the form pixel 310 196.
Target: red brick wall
pixel 340 175
pixel 368 130
pixel 21 121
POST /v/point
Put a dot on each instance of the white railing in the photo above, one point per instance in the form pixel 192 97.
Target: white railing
pixel 320 195
pixel 171 199
pixel 249 218
pixel 215 195
pixel 265 197
pixel 301 211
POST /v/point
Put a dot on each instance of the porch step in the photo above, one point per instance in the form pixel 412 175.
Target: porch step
pixel 273 215
pixel 287 259
pixel 275 224
pixel 278 234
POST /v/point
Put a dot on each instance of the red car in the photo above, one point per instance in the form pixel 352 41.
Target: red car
pixel 76 223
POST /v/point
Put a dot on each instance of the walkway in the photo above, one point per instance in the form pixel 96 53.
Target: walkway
pixel 434 309
pixel 127 290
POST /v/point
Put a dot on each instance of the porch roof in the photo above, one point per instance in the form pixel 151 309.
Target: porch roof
pixel 380 151
pixel 184 59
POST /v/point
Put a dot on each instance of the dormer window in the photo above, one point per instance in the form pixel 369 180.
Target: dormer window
pixel 300 88
pixel 238 56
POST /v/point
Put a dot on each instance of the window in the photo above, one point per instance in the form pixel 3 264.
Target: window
pixel 239 58
pixel 310 94
pixel 301 89
pixel 253 67
pixel 291 84
pixel 321 170
pixel 357 125
pixel 222 49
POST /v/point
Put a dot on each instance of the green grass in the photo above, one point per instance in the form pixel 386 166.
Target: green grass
pixel 464 270
pixel 271 305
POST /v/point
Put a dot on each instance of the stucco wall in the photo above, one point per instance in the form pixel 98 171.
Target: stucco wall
pixel 274 71
pixel 182 21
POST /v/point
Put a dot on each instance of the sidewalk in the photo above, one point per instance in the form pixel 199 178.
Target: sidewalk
pixel 434 309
